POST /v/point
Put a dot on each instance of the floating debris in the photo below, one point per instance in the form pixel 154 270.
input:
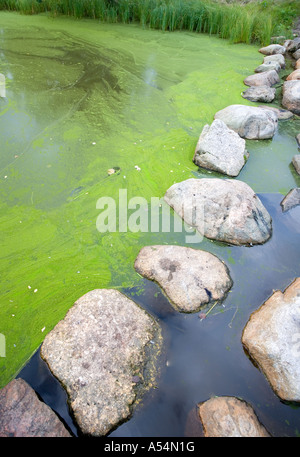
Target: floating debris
pixel 137 168
pixel 113 170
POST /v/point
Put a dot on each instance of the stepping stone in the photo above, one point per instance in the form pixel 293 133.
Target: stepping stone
pixel 260 94
pixel 96 352
pixel 230 417
pixel 291 200
pixel 220 149
pixel 189 277
pixel 279 58
pixel 221 209
pixel 273 49
pixel 22 414
pixel 250 122
pixel 266 78
pixel 268 66
pixel 271 336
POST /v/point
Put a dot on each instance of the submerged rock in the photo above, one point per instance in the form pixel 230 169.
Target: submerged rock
pixel 22 414
pixel 95 351
pixel 230 417
pixel 272 65
pixel 220 149
pixel 260 94
pixel 291 200
pixel 266 78
pixel 291 96
pixel 272 49
pixel 249 122
pixel 221 209
pixel 271 337
pixel 279 58
pixel 189 277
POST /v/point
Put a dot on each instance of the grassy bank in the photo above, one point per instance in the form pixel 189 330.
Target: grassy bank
pixel 253 22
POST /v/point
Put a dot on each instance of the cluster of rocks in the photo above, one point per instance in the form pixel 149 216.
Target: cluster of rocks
pixel 105 351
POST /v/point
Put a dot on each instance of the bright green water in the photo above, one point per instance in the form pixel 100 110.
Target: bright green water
pixel 83 97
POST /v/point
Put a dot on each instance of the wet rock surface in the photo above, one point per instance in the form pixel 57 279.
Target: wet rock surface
pixel 189 277
pixel 221 209
pixel 22 414
pixel 271 338
pixel 230 417
pixel 96 351
pixel 249 122
pixel 220 149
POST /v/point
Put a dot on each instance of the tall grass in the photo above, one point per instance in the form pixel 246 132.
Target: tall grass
pixel 248 23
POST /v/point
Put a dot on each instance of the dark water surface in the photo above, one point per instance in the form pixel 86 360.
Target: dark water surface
pixel 205 357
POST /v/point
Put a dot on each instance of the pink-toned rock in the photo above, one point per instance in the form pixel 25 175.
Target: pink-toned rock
pixel 230 417
pixel 291 96
pixel 294 75
pixel 297 65
pixel 271 337
pixel 22 414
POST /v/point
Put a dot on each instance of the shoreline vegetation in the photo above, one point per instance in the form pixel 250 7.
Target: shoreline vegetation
pixel 240 22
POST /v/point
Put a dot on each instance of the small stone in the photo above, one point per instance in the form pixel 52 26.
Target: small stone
pixel 272 65
pixel 291 96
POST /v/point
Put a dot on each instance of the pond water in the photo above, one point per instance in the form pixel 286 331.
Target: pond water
pixel 82 98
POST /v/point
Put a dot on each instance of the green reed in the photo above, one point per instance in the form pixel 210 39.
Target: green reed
pixel 248 23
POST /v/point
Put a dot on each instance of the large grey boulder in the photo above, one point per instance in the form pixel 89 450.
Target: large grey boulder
pixel 22 414
pixel 264 94
pixel 266 78
pixel 249 122
pixel 220 149
pixel 97 351
pixel 230 417
pixel 272 65
pixel 291 200
pixel 291 96
pixel 296 54
pixel 271 336
pixel 272 49
pixel 279 58
pixel 221 209
pixel 189 277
